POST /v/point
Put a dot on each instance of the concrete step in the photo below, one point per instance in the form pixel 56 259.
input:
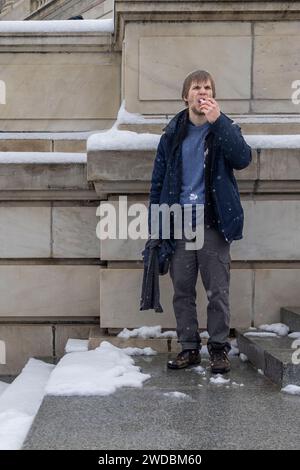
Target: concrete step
pixel 161 345
pixel 272 355
pixel 145 418
pixel 290 316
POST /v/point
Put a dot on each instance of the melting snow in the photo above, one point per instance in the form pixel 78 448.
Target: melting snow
pixel 279 328
pixel 98 372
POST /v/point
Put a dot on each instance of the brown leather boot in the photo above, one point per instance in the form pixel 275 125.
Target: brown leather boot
pixel 219 362
pixel 185 358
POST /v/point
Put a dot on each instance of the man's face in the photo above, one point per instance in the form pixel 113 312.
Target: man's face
pixel 198 91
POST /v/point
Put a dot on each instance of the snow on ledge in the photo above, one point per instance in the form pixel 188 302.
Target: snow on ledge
pixel 58 26
pixel 273 141
pixel 122 140
pixel 42 157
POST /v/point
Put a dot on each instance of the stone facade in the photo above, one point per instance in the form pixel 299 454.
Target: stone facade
pixel 52 265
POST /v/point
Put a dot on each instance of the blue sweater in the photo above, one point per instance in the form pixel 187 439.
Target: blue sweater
pixel 193 185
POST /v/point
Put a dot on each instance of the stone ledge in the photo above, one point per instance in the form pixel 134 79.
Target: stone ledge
pixel 290 316
pixel 272 355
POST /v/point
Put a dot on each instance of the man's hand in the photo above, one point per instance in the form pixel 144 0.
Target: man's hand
pixel 211 109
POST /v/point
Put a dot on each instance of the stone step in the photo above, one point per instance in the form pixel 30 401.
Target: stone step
pixel 161 345
pixel 290 316
pixel 144 418
pixel 272 355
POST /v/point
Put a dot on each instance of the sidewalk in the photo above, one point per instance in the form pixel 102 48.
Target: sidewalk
pixel 256 415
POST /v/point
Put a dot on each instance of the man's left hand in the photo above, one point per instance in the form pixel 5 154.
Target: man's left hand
pixel 211 109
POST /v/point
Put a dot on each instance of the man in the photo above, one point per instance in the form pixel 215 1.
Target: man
pixel 194 164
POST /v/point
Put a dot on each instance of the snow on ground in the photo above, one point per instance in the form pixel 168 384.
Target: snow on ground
pixel 291 389
pixel 261 334
pixel 58 26
pixel 243 357
pixel 219 380
pixel 204 335
pixel 139 351
pixel 146 332
pixel 199 369
pixel 279 328
pixel 20 402
pixel 3 386
pixel 176 395
pixel 294 335
pixel 76 345
pixel 98 372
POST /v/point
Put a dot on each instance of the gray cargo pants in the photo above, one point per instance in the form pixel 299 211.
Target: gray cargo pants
pixel 213 261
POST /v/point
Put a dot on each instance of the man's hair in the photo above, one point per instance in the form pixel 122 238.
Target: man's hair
pixel 197 76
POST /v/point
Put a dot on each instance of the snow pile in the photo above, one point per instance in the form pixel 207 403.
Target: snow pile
pixel 3 386
pixel 20 402
pixel 139 351
pixel 279 328
pixel 76 345
pixel 176 395
pixel 58 26
pixel 122 140
pixel 294 335
pixel 98 372
pixel 243 357
pixel 146 332
pixel 273 141
pixel 124 117
pixel 42 157
pixel 199 369
pixel 291 389
pixel 219 380
pixel 261 334
pixel 204 335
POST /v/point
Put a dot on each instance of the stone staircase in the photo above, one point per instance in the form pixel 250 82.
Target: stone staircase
pixel 273 355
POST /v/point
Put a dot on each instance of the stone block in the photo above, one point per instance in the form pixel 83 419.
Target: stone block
pixel 74 232
pixel 146 92
pixel 290 316
pixel 64 332
pixel 25 230
pixel 76 146
pixel 270 231
pixel 37 290
pixel 54 81
pixel 273 289
pixel 276 49
pixel 280 164
pixel 23 342
pixel 120 291
pixel 25 145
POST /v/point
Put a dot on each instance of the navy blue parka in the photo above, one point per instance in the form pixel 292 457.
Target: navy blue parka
pixel 225 151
